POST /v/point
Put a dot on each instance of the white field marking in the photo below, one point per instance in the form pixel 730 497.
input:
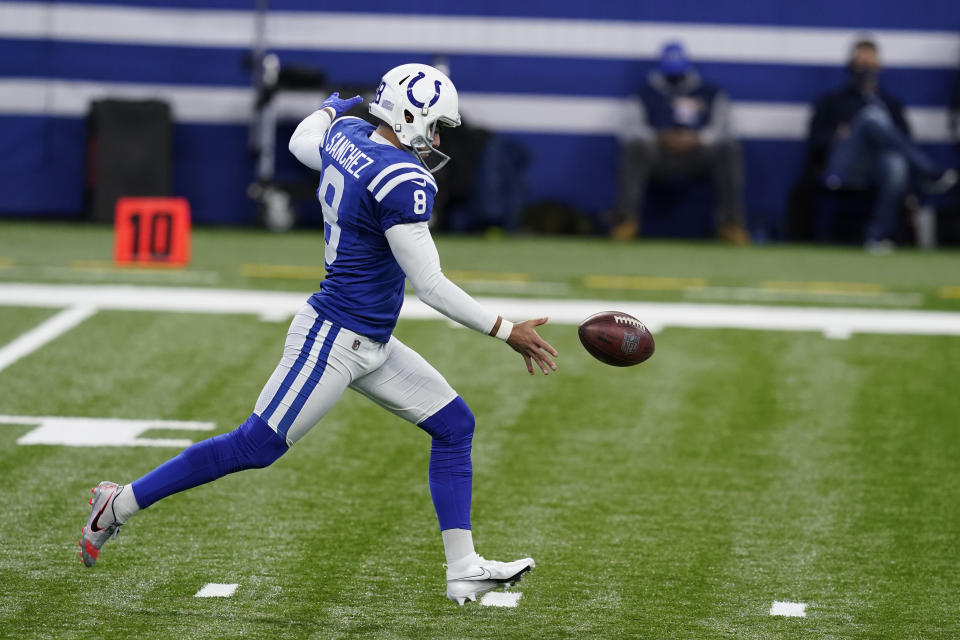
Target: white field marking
pixel 101 432
pixel 216 590
pixel 275 315
pixel 43 333
pixel 753 294
pixel 789 609
pixel 653 314
pixel 837 333
pixel 500 598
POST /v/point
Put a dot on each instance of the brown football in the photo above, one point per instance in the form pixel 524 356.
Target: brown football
pixel 616 338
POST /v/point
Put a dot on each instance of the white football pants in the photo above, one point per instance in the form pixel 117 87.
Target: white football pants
pixel 321 359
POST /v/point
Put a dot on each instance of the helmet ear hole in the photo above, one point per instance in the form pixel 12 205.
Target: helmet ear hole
pixel 407 116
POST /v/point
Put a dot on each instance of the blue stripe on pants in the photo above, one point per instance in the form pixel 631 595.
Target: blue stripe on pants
pixel 294 370
pixel 311 382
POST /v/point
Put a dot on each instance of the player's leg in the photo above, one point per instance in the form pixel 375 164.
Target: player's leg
pixel 637 161
pixel 408 386
pixel 304 386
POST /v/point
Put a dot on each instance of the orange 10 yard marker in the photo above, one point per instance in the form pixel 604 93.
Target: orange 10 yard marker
pixel 152 231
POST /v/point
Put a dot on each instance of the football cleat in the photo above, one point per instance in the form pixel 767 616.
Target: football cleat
pixel 473 576
pixel 102 524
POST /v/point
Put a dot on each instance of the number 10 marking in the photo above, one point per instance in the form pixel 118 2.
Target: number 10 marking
pixel 152 230
pixel 156 252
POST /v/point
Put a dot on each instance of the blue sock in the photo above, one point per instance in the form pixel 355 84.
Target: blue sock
pixel 252 445
pixel 451 471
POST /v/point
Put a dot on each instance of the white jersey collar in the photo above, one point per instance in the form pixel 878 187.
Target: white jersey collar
pixel 379 139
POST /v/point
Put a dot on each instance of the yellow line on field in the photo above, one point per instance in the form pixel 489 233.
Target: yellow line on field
pixel 488 276
pixel 644 283
pixel 109 265
pixel 283 271
pixel 848 288
pixel 949 292
pixel 6 262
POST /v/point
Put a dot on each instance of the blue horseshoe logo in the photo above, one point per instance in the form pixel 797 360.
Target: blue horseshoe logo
pixel 412 98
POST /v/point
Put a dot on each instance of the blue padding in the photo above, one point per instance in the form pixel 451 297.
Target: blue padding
pixel 252 445
pixel 451 470
pixel 42 164
pixel 212 167
pixel 856 14
pixel 219 67
pixel 112 62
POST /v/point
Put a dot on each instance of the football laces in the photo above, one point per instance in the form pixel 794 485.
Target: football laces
pixel 633 322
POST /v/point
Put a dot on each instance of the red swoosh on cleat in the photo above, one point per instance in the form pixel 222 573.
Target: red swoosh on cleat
pixel 93 524
pixel 91 550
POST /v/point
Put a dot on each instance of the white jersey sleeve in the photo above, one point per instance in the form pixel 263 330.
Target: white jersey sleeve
pixel 415 252
pixel 307 139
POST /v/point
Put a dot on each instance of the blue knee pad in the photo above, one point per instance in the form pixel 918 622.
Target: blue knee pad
pixel 451 470
pixel 252 445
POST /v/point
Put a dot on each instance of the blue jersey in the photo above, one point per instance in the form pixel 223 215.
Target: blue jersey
pixel 365 188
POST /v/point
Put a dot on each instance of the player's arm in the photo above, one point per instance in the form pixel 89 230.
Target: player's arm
pixel 307 138
pixel 417 255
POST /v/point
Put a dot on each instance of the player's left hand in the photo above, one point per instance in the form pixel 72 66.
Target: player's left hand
pixel 525 341
pixel 338 105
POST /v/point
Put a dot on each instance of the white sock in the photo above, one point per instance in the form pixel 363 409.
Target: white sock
pixel 457 544
pixel 125 504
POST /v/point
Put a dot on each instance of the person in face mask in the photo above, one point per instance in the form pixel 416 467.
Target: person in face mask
pixel 680 128
pixel 862 137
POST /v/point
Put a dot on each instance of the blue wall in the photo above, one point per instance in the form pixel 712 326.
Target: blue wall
pixel 42 164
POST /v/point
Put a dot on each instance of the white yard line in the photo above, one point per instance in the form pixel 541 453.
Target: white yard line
pixel 216 590
pixel 835 322
pixel 101 432
pixel 500 598
pixel 789 609
pixel 753 294
pixel 45 332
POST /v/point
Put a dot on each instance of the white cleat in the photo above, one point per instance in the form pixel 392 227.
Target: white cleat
pixel 473 576
pixel 102 524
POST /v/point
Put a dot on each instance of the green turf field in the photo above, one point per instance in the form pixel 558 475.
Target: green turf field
pixel 677 499
pixel 552 267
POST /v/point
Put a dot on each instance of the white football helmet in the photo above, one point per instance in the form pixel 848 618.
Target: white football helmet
pixel 414 99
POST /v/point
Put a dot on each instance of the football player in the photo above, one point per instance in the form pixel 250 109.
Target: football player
pixel 376 192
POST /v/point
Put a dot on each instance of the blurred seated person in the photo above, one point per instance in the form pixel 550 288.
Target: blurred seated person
pixel 484 185
pixel 860 136
pixel 681 129
pixel 954 116
pixel 947 224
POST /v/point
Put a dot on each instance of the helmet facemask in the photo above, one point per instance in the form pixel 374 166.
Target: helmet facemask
pixel 422 147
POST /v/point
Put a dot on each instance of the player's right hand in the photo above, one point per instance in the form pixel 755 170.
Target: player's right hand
pixel 338 105
pixel 525 341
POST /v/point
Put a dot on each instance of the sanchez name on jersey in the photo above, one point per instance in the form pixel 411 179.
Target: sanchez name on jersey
pixel 366 187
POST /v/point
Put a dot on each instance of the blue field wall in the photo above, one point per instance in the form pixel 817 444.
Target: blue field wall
pixel 56 56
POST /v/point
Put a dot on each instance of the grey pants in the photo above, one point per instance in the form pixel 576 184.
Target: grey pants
pixel 641 160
